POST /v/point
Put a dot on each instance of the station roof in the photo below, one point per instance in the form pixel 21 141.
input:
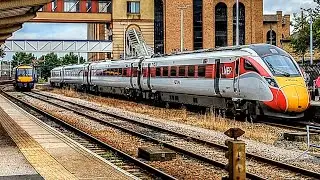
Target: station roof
pixel 13 13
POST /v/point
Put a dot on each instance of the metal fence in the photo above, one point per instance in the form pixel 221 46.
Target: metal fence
pixel 312 71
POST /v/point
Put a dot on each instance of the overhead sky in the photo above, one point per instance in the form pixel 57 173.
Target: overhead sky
pixel 79 31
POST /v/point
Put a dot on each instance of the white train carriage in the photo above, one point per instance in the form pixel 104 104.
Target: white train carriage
pixel 75 76
pixel 56 78
pixel 117 77
pixel 256 79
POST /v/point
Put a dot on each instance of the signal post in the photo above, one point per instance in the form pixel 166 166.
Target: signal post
pixel 236 155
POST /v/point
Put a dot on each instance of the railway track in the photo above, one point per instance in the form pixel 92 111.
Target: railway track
pixel 134 166
pixel 179 142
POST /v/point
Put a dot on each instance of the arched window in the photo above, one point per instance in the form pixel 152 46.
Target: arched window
pixel 197 24
pixel 272 37
pixel 221 25
pixel 242 24
pixel 158 27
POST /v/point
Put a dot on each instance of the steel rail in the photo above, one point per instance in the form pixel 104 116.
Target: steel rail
pixel 137 162
pixel 154 140
pixel 249 155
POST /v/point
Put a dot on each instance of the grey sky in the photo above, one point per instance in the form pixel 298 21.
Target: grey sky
pixel 287 6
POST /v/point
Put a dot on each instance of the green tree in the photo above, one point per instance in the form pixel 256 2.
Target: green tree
pixel 47 63
pixel 71 58
pixel 20 58
pixel 300 39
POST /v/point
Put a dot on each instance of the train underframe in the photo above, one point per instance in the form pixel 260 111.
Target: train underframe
pixel 239 108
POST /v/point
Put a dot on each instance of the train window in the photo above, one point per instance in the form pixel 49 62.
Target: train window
pixel 173 71
pixel 120 72
pixel 165 71
pixel 182 71
pixel 158 71
pixel 124 72
pixel 190 71
pixel 248 66
pixel 201 71
pixel 135 72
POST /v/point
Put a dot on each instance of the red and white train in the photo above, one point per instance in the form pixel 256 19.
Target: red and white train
pixel 256 79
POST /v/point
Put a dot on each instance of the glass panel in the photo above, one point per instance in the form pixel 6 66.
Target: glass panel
pixel 197 24
pixel 71 6
pixel 201 71
pixel 182 71
pixel 242 23
pixel 158 71
pixel 281 65
pixel 221 26
pixel 24 72
pixel 191 71
pixel 165 71
pixel 173 71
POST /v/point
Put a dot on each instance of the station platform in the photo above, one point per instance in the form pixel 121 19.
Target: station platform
pixel 38 151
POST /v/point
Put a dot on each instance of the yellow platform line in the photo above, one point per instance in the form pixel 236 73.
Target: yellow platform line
pixel 40 159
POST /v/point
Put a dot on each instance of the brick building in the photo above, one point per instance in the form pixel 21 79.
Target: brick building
pixel 207 24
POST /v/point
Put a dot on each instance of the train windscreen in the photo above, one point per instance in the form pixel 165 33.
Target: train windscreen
pixel 281 65
pixel 24 72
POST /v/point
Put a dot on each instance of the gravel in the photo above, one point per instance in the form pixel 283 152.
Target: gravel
pixel 291 156
pixel 181 167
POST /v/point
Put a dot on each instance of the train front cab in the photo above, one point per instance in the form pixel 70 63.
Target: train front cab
pixel 24 77
pixel 289 91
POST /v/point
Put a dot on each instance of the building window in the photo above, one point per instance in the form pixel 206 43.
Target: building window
pixel 272 37
pixel 54 5
pixel 71 6
pixel 242 24
pixel 158 27
pixel 133 7
pixel 221 25
pixel 89 5
pixel 197 24
pixel 105 6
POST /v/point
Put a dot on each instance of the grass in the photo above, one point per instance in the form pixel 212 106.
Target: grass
pixel 258 132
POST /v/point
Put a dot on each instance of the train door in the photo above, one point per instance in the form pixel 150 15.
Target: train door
pixel 149 76
pixel 217 76
pixel 131 75
pixel 140 74
pixel 236 77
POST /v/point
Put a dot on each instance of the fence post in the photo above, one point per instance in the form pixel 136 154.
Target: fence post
pixel 236 155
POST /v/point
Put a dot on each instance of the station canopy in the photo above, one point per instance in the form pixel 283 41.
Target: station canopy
pixel 13 13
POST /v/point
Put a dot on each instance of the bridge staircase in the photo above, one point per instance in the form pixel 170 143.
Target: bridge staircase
pixel 136 45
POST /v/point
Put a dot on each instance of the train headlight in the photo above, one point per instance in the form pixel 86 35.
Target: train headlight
pixel 271 82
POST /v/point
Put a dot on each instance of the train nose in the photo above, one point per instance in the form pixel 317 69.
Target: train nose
pixel 296 98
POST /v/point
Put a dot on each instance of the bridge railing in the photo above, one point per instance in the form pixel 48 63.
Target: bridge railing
pixel 83 6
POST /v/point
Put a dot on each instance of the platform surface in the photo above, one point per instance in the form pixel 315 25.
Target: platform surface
pixel 53 155
pixel 13 164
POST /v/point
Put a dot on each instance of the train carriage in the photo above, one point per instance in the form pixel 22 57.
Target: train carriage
pixel 25 77
pixel 253 79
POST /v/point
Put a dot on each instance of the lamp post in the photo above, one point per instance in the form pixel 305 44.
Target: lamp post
pixel 182 8
pixel 311 34
pixel 237 23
